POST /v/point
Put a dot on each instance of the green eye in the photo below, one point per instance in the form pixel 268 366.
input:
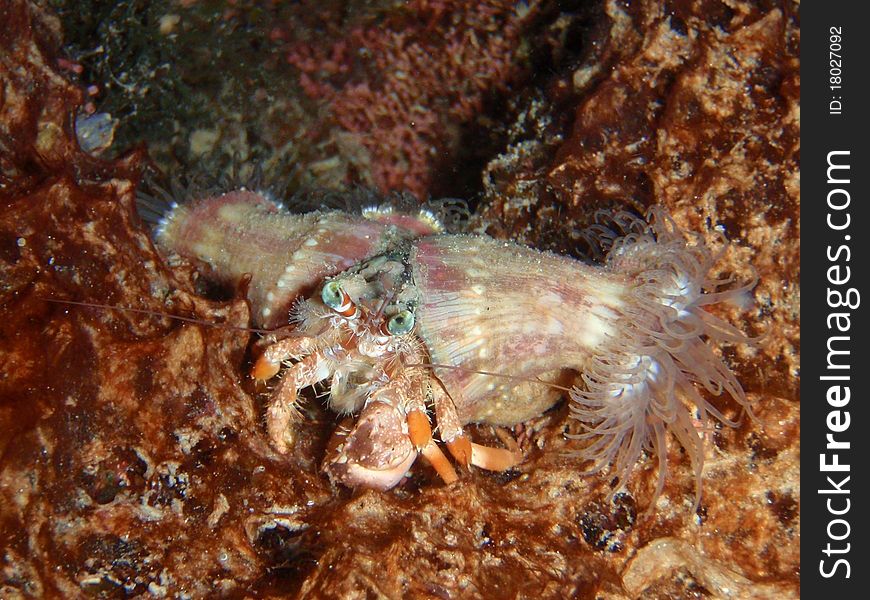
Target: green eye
pixel 332 295
pixel 401 323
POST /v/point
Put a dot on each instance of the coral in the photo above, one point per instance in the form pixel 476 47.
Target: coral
pixel 322 94
pixel 400 88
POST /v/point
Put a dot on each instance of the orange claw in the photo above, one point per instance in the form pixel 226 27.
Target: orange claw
pixel 419 429
pixel 439 462
pixel 265 369
pixel 493 459
pixel 460 448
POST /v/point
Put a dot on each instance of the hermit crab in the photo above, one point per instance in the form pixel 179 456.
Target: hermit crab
pixel 394 317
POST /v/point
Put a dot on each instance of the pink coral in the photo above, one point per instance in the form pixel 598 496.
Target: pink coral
pixel 401 88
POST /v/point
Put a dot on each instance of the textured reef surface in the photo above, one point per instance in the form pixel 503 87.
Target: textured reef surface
pixel 133 455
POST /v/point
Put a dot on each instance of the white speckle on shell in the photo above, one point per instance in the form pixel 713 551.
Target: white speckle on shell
pixel 266 311
pixel 552 325
pixel 311 242
pixel 551 300
pixel 598 326
pixel 594 331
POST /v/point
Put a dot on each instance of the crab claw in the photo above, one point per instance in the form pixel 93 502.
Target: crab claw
pixel 377 453
pixel 265 368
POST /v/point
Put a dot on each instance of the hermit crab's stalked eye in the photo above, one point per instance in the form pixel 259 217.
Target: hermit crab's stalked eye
pixel 337 299
pixel 401 323
pixel 332 295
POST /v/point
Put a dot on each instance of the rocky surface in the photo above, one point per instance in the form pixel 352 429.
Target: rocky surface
pixel 134 456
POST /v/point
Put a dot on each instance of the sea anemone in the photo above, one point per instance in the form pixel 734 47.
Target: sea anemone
pixel 645 381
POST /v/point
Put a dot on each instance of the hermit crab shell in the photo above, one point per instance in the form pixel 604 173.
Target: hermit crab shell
pixel 286 254
pixel 636 330
pixel 506 315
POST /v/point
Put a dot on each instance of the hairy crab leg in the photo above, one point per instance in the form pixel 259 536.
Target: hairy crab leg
pixel 420 432
pixel 419 429
pixel 464 450
pixel 449 426
pixel 432 453
pixel 269 363
pixel 282 412
pixel 413 398
pixel 493 459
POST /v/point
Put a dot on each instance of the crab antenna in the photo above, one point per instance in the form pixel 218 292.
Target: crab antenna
pixel 387 299
pixel 491 374
pixel 154 313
